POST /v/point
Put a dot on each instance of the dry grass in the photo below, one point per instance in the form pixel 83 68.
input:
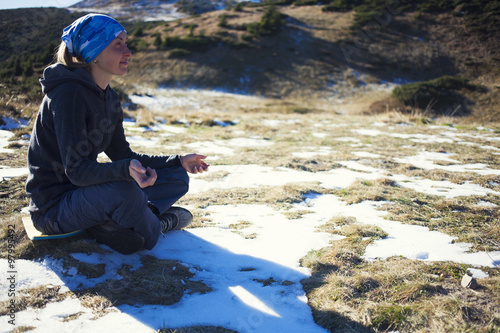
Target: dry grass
pixel 240 225
pixel 275 196
pixel 349 294
pixel 18 106
pixel 37 298
pixel 157 281
pixel 100 305
pixel 460 217
pixel 344 226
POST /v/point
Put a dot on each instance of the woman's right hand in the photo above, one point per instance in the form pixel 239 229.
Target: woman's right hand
pixel 144 177
pixel 193 163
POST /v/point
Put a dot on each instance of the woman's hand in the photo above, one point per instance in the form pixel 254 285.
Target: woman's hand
pixel 194 163
pixel 144 177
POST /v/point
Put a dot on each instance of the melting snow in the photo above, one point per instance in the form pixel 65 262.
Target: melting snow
pixel 231 264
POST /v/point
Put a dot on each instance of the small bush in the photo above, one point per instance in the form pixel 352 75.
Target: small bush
pixel 195 7
pixel 246 37
pixel 223 21
pixel 236 44
pixel 191 43
pixel 340 6
pixel 238 7
pixel 253 28
pixel 157 42
pixel 191 28
pixel 271 21
pixel 179 53
pixel 305 2
pixel 438 94
pixel 269 24
pixel 391 317
pixel 139 32
pixel 137 44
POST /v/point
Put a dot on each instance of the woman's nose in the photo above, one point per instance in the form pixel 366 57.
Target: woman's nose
pixel 127 52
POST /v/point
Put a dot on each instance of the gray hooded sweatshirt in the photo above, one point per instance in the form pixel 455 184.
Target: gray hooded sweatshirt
pixel 77 120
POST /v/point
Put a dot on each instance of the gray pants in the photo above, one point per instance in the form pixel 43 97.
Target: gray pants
pixel 123 202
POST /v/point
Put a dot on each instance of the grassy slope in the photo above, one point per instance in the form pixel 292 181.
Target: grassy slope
pixel 315 55
pixel 316 50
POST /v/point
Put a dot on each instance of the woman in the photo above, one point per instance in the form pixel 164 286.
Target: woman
pixel 126 203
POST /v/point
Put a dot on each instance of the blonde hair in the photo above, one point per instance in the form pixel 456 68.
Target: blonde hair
pixel 64 57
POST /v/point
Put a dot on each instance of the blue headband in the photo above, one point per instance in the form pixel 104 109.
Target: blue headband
pixel 90 34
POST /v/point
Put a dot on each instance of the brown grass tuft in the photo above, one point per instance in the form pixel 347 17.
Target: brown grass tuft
pixel 157 281
pixel 37 297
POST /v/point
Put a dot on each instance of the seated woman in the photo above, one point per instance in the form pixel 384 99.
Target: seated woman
pixel 125 204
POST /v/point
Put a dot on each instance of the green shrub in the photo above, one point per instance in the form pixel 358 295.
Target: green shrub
pixel 222 21
pixel 479 15
pixel 435 6
pixel 238 7
pixel 305 2
pixel 235 44
pixel 246 37
pixel 340 6
pixel 392 317
pixel 139 32
pixel 439 94
pixel 191 43
pixel 363 14
pixel 195 7
pixel 271 21
pixel 137 44
pixel 157 42
pixel 253 28
pixel 179 53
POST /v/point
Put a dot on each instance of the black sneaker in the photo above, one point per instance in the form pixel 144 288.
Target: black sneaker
pixel 122 240
pixel 175 218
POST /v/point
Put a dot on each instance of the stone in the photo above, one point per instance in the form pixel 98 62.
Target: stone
pixel 469 282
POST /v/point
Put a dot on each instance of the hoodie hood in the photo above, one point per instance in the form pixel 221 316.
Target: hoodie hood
pixel 58 74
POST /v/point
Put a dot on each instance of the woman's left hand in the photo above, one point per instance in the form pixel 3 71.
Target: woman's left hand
pixel 144 177
pixel 194 163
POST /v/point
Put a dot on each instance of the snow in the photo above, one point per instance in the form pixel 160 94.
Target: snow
pixel 347 139
pixel 313 151
pixel 6 172
pixel 230 263
pixel 5 136
pixel 424 160
pixel 442 188
pixel 10 123
pixel 217 148
pixel 194 99
pixel 368 132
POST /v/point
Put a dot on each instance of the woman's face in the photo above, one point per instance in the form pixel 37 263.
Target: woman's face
pixel 114 58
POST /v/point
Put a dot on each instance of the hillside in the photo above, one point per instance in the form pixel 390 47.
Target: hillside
pixel 350 56
pixel 315 53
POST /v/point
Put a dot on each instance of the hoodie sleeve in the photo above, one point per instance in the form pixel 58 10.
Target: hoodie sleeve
pixel 70 114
